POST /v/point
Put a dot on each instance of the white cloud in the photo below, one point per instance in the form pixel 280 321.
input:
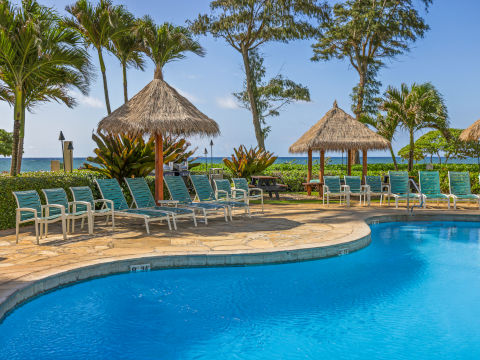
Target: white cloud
pixel 227 102
pixel 189 96
pixel 89 101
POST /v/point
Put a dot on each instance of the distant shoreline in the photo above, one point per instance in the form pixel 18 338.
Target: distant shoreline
pixel 43 164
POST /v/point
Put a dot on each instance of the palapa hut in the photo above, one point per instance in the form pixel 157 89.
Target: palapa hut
pixel 156 110
pixel 338 131
pixel 472 133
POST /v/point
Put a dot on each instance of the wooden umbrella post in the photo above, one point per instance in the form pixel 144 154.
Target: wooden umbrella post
pixel 309 174
pixel 321 172
pixel 349 162
pixel 158 167
pixel 364 161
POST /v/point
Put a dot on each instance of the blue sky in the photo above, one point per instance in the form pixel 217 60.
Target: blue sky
pixel 447 56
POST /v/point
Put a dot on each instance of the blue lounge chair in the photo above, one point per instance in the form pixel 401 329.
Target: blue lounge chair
pixel 84 193
pixel 205 194
pixel 355 187
pixel 429 182
pixel 58 196
pixel 111 190
pixel 143 199
pixel 240 185
pixel 223 191
pixel 460 188
pixel 374 187
pixel 179 192
pixel 400 187
pixel 30 208
pixel 332 187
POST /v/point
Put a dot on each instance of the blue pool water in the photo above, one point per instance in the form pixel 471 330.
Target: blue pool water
pixel 414 293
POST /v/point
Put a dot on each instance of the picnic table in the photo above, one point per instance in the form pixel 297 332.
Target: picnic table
pixel 268 184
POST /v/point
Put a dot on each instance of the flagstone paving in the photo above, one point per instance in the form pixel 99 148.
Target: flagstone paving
pixel 273 236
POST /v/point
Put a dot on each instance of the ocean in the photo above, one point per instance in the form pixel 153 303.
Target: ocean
pixel 43 164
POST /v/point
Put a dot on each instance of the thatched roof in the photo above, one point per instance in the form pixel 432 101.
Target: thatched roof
pixel 159 108
pixel 472 133
pixel 338 131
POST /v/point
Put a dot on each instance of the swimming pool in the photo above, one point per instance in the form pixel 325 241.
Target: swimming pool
pixel 414 293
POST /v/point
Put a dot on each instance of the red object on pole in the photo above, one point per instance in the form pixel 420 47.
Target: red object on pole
pixel 158 167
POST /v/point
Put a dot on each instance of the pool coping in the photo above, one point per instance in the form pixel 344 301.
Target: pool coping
pixel 34 288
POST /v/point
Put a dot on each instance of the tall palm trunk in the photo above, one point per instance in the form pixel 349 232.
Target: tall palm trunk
pixel 411 152
pixel 17 118
pixel 394 159
pixel 104 77
pixel 125 88
pixel 20 141
pixel 251 98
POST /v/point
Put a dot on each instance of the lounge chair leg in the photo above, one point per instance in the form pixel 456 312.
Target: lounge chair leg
pixel 174 221
pixel 17 230
pixel 262 205
pixel 205 217
pixel 90 224
pixel 148 228
pixel 36 231
pixel 46 229
pixel 63 228
pixel 113 221
pixel 396 203
pixel 225 214
pixel 194 218
pixel 230 212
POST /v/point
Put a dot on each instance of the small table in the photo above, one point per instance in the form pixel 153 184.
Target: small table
pixel 268 184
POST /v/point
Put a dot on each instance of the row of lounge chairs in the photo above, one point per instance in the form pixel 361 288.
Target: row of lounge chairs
pixel 399 188
pixel 113 203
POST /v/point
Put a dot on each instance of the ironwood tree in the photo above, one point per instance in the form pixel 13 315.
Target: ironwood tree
pixel 247 24
pixel 269 96
pixel 367 33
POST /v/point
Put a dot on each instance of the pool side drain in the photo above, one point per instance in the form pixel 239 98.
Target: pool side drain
pixel 140 268
pixel 343 251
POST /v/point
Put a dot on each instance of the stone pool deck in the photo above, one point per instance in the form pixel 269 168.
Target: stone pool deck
pixel 283 233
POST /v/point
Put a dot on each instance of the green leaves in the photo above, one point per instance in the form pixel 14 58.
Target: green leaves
pixel 246 163
pixel 270 96
pixel 6 142
pixel 124 156
pixel 166 43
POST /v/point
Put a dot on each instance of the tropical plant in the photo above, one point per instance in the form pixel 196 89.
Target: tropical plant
pixel 120 156
pixel 433 143
pixel 123 156
pixel 270 96
pixel 245 163
pixel 415 108
pixel 97 25
pixel 404 153
pixel 6 141
pixel 127 45
pixel 39 61
pixel 246 25
pixel 367 33
pixel 166 43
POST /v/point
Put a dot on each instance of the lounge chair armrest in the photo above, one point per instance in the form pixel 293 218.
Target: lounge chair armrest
pixel 167 201
pixel 325 189
pixel 75 203
pixel 105 202
pixel 218 192
pixel 255 189
pixel 386 187
pixel 240 190
pixel 346 188
pixel 29 210
pixel 365 188
pixel 46 208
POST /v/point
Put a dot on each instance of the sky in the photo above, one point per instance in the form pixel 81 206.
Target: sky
pixel 447 56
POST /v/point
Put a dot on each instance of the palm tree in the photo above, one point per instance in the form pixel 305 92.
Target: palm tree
pixel 39 61
pixel 166 43
pixel 97 27
pixel 127 45
pixel 415 108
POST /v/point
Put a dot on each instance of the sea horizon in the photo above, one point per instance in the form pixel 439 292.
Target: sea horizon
pixel 43 163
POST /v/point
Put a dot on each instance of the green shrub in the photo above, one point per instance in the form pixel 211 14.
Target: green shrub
pixel 37 181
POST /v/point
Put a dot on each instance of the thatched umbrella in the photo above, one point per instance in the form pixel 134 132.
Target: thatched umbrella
pixel 338 131
pixel 472 133
pixel 156 110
